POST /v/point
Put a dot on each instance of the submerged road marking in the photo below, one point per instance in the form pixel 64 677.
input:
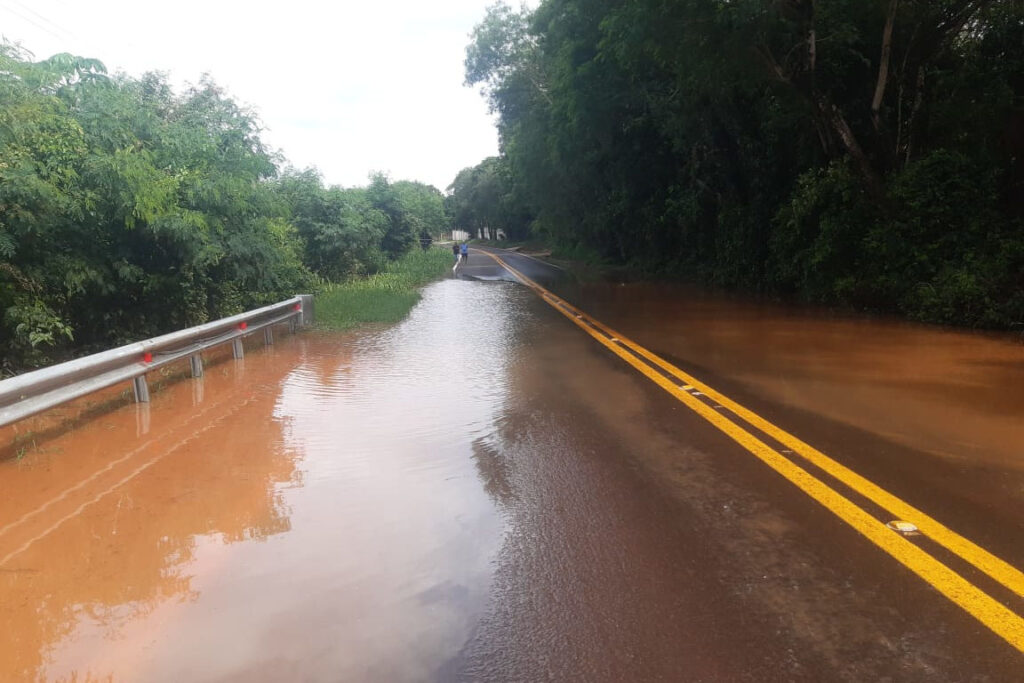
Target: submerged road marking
pixel 990 612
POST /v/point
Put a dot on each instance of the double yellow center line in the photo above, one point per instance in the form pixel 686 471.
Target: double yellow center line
pixel 983 607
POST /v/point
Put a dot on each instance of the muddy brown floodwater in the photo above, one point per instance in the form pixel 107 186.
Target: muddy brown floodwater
pixel 481 492
pixel 936 415
pixel 954 394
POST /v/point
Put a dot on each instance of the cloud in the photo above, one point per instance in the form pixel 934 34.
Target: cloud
pixel 348 87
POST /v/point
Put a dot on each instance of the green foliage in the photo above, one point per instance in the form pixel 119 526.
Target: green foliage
pixel 128 210
pixel 797 147
pixel 422 207
pixel 414 211
pixel 34 324
pixel 958 255
pixel 384 297
pixel 502 52
pixel 486 196
pixel 340 229
pixel 819 246
pixel 940 249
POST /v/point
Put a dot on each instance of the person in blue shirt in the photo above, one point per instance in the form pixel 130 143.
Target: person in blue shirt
pixel 465 252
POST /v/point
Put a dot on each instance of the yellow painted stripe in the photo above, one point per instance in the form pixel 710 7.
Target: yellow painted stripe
pixel 969 597
pixel 995 567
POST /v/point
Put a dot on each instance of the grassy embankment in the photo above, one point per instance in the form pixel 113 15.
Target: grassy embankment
pixel 382 298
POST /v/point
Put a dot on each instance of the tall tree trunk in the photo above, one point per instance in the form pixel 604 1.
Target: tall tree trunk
pixel 832 118
pixel 883 66
pixel 912 120
pixel 812 44
pixel 835 119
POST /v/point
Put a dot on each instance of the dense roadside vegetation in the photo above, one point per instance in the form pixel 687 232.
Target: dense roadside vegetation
pixel 127 210
pixel 384 297
pixel 865 153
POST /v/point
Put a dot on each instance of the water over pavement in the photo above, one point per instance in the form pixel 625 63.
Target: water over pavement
pixel 483 493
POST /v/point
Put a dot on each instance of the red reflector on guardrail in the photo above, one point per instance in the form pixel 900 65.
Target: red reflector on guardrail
pixel 243 326
pixel 298 307
pixel 147 357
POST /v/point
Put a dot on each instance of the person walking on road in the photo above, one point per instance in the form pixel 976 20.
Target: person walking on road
pixel 455 251
pixel 464 250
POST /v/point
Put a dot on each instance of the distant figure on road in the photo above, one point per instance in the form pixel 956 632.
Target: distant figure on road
pixel 455 251
pixel 465 252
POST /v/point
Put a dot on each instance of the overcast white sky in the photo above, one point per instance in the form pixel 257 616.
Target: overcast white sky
pixel 349 87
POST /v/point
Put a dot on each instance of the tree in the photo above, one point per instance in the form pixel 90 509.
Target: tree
pixel 340 229
pixel 127 210
pixel 412 210
pixel 484 196
pixel 783 145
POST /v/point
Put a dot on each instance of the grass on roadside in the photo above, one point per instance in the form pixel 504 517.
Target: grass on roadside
pixel 382 298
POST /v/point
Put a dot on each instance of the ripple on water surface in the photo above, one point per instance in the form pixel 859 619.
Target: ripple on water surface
pixel 314 510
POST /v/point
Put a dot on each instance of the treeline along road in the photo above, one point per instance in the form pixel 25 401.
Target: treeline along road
pixel 858 154
pixel 128 210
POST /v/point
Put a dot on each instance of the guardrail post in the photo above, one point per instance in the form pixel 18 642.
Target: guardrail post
pixel 142 419
pixel 34 392
pixel 268 336
pixel 196 361
pixel 307 310
pixel 141 389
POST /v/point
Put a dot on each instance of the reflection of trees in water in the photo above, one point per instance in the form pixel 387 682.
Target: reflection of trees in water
pixel 513 426
pixel 327 366
pixel 493 469
pixel 130 547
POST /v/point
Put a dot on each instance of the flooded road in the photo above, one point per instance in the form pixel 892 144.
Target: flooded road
pixel 317 514
pixel 934 415
pixel 482 492
pixel 956 395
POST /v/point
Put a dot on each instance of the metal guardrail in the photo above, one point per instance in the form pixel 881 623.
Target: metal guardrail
pixel 34 392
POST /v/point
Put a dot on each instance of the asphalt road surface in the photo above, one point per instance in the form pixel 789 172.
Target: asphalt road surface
pixel 533 478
